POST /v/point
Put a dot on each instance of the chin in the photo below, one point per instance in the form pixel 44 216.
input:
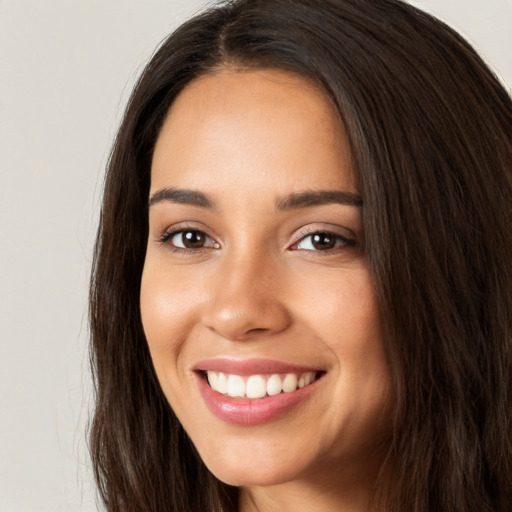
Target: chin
pixel 257 462
pixel 250 475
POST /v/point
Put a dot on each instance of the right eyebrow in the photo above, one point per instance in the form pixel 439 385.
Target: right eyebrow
pixel 318 197
pixel 181 196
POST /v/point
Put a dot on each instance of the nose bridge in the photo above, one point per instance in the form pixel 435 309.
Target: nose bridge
pixel 246 298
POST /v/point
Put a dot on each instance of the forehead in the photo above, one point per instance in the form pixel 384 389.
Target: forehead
pixel 253 127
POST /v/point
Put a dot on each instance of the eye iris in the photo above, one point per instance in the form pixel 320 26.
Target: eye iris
pixel 323 241
pixel 193 239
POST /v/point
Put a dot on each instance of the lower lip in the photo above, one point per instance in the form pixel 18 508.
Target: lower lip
pixel 241 411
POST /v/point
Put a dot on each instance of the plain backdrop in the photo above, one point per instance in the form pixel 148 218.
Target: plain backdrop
pixel 66 70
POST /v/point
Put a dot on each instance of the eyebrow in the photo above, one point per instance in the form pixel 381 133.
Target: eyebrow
pixel 288 202
pixel 316 198
pixel 181 196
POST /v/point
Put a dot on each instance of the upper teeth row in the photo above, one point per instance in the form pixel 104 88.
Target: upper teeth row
pixel 258 386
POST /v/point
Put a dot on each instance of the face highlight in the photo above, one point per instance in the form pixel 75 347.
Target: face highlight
pixel 256 300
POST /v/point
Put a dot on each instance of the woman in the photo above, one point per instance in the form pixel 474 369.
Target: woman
pixel 301 296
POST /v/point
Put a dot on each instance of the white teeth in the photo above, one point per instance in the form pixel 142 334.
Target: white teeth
pixel 290 383
pixel 213 379
pixel 222 383
pixel 236 386
pixel 274 385
pixel 258 386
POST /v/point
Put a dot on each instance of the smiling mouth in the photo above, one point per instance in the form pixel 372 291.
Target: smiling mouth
pixel 260 385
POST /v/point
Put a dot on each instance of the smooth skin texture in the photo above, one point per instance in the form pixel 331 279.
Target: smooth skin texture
pixel 254 284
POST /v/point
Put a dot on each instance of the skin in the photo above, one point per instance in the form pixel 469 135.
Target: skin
pixel 259 288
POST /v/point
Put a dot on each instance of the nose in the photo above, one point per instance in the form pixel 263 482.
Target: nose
pixel 247 300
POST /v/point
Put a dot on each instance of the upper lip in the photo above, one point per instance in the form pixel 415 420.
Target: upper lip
pixel 250 366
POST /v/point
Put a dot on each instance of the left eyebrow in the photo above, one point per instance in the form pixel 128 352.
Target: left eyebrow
pixel 181 196
pixel 316 198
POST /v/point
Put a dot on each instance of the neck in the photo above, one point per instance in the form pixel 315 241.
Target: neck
pixel 312 494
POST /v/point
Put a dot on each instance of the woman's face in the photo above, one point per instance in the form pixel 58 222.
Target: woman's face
pixel 255 279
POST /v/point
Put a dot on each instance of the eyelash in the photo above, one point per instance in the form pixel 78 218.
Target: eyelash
pixel 340 240
pixel 166 238
pixel 346 242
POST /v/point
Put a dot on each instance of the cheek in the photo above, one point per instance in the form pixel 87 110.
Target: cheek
pixel 166 315
pixel 344 310
pixel 345 315
pixel 358 342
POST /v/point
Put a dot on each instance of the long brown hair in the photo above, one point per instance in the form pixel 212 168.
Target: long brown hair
pixel 430 128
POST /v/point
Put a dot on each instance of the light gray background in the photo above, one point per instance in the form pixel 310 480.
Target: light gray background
pixel 66 69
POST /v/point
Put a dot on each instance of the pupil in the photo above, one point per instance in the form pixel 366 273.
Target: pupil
pixel 323 241
pixel 193 239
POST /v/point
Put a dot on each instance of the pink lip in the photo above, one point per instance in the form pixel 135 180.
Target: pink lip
pixel 241 411
pixel 251 366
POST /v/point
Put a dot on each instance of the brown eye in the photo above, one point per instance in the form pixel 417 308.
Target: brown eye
pixel 323 241
pixel 191 239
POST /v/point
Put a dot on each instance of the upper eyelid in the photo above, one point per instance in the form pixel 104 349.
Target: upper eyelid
pixel 179 227
pixel 300 234
pixel 207 236
pixel 166 237
pixel 336 231
pixel 348 241
pixel 349 236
